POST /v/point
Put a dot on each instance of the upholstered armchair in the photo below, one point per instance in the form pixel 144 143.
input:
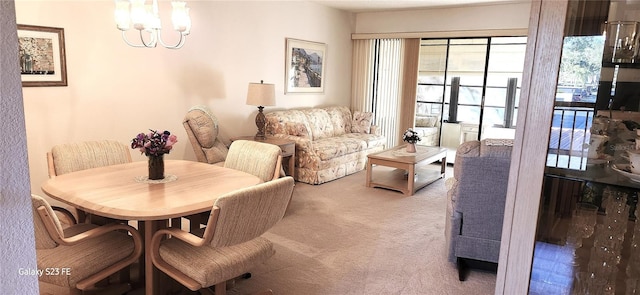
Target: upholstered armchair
pixel 476 198
pixel 81 255
pixel 202 129
pixel 231 244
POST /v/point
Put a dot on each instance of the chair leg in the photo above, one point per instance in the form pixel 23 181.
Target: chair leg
pixel 462 269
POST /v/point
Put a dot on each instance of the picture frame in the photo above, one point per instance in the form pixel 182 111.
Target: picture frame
pixel 305 66
pixel 42 56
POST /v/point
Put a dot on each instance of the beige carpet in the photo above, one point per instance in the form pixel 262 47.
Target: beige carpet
pixel 344 238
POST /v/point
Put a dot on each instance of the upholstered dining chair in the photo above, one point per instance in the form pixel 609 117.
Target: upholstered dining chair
pixel 204 134
pixel 231 244
pixel 257 158
pixel 66 158
pixel 81 255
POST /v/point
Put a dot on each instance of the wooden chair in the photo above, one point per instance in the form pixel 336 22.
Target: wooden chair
pixel 84 254
pixel 231 244
pixel 72 157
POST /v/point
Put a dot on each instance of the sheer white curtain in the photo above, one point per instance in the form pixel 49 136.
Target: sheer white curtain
pixel 378 66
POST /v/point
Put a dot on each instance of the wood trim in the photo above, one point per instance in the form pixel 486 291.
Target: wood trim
pixel 546 33
pixel 411 57
pixel 443 34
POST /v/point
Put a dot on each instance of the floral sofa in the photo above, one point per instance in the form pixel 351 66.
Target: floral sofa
pixel 330 142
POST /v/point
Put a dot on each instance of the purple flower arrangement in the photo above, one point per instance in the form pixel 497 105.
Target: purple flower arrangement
pixel 154 143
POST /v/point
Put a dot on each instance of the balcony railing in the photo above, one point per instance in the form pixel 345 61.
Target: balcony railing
pixel 570 136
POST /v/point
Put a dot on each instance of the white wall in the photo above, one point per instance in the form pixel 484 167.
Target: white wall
pixel 116 91
pixel 17 246
pixel 513 15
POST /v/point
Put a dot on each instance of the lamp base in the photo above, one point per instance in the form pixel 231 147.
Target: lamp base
pixel 261 122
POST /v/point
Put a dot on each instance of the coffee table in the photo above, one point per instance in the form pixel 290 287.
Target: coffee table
pixel 407 164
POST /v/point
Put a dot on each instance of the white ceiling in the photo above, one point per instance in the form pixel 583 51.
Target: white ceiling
pixel 386 5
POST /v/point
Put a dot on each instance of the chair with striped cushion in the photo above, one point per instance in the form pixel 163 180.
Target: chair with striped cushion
pixel 71 157
pixel 257 158
pixel 231 244
pixel 81 255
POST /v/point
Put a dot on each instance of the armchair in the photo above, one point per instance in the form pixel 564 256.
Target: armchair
pixel 476 199
pixel 84 254
pixel 202 129
pixel 231 244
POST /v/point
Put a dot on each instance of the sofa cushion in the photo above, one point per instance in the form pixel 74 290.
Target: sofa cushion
pixel 362 122
pixel 329 148
pixel 426 120
pixel 371 140
pixel 320 124
pixel 341 119
pixel 297 129
pixel 291 122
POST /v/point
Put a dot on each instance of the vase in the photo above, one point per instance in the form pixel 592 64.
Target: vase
pixel 156 167
pixel 411 148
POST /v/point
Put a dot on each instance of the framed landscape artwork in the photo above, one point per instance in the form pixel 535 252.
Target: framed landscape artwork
pixel 304 68
pixel 42 56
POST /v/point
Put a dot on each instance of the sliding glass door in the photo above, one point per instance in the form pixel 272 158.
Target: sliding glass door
pixel 471 86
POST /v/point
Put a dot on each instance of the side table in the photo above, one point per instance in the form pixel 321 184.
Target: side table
pixel 288 148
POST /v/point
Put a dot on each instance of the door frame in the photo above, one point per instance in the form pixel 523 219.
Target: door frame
pixel 542 62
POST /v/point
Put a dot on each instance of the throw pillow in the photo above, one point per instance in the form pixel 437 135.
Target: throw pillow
pixel 426 121
pixel 296 129
pixel 362 122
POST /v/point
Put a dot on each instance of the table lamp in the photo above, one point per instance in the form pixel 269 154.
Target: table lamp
pixel 261 95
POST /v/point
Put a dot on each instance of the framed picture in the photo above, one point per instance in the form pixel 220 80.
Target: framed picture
pixel 42 56
pixel 304 66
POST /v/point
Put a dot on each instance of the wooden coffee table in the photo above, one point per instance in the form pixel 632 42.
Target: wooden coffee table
pixel 407 164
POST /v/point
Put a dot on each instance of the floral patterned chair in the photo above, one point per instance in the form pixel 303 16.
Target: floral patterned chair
pixel 330 142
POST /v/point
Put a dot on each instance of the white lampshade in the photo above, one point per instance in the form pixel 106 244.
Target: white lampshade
pixel 260 94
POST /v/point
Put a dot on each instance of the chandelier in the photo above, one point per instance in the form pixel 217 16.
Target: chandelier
pixel 144 17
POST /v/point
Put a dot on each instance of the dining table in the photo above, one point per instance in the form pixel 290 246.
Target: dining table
pixel 124 192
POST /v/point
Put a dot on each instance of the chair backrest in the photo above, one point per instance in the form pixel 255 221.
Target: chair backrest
pixel 202 129
pixel 72 157
pixel 43 239
pixel 248 213
pixel 257 158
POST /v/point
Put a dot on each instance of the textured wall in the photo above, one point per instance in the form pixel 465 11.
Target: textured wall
pixel 17 248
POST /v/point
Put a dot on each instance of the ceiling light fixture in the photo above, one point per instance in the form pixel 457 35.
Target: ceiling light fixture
pixel 145 17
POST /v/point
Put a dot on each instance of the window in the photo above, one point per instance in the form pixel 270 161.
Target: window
pixel 475 81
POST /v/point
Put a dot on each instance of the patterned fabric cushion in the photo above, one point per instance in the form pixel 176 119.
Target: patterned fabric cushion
pixel 362 122
pixel 426 120
pixel 330 148
pixel 297 129
pixel 203 124
pixel 283 122
pixel 341 119
pixel 319 123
